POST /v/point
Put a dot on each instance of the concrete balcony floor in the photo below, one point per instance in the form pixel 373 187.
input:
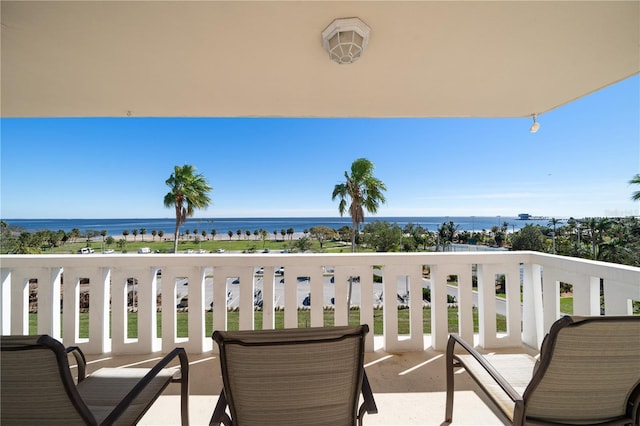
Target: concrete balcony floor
pixel 409 389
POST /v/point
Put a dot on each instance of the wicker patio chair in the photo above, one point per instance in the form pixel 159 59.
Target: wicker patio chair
pixel 588 372
pixel 37 386
pixel 307 376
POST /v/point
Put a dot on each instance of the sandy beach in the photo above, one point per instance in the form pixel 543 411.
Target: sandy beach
pixel 219 237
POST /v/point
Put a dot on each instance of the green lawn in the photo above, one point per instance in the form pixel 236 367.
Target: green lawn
pixel 226 244
pixel 304 320
pixel 566 305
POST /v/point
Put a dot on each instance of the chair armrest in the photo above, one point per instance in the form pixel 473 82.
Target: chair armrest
pixel 486 365
pixel 81 362
pixel 139 387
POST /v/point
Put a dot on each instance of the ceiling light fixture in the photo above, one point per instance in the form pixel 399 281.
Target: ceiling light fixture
pixel 345 39
pixel 535 126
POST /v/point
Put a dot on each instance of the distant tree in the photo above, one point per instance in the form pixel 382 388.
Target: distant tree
pixel 256 233
pixel 613 251
pixel 135 234
pixel 247 233
pixel 122 244
pixel 303 244
pixel 528 238
pixel 143 232
pixel 154 234
pixel 283 232
pixel 161 233
pixel 204 234
pixel 239 233
pixel 103 233
pixel 554 223
pixel 322 233
pixel 635 196
pixel 110 240
pixel 447 233
pixel 275 234
pixel 364 191
pixel 290 233
pixel 189 191
pixel 125 233
pixel 75 233
pixel 382 236
pixel 344 232
pixel 213 234
pixel 187 232
pixel 230 233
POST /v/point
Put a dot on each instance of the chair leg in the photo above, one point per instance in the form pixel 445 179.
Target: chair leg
pixel 219 416
pixel 448 414
pixel 184 388
pixel 184 402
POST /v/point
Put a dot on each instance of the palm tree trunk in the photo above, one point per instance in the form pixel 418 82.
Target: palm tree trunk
pixel 177 231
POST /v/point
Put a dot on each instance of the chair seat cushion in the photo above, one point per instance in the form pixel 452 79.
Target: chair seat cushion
pixel 105 388
pixel 517 370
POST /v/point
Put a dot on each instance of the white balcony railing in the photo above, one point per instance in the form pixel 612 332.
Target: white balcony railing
pixel 213 276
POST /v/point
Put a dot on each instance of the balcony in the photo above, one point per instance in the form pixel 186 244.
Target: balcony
pixel 406 368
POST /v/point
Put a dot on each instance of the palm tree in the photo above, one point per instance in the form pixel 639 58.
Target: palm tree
pixel 365 192
pixel 553 222
pixel 189 191
pixel 635 181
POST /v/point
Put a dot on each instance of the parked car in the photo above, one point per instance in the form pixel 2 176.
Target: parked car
pixel 85 250
pixel 219 250
pixel 144 250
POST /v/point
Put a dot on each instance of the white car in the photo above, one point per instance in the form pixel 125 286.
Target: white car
pixel 219 250
pixel 144 250
pixel 85 250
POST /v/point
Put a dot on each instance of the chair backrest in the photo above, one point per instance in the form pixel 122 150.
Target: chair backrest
pixel 36 385
pixel 309 376
pixel 588 368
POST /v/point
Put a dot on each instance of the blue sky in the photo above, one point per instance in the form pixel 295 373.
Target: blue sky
pixel 578 164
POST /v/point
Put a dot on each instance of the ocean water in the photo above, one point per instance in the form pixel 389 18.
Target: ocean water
pixel 223 225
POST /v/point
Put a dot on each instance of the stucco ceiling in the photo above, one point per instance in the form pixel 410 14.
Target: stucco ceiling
pixel 265 58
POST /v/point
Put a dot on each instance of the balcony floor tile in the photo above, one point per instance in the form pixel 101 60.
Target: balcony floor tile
pixel 409 389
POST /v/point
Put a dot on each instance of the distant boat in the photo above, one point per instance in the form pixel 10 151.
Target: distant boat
pixel 524 216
